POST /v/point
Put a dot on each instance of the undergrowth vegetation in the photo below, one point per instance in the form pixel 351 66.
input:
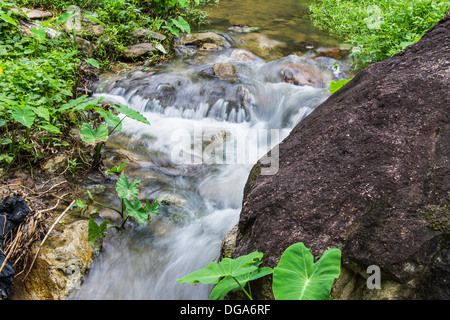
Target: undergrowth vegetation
pixel 379 29
pixel 41 112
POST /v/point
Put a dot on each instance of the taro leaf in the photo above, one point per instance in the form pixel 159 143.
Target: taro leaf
pixel 94 19
pixel 87 105
pixel 116 169
pixel 50 128
pixel 39 33
pixel 65 16
pixel 297 277
pixel 182 24
pixel 42 112
pixel 5 141
pixel 152 207
pixel 336 85
pixel 133 114
pixel 23 115
pixel 228 284
pixel 137 211
pixel 93 63
pixel 80 203
pixel 91 136
pixel 8 19
pixel 111 119
pixel 214 272
pixel 127 190
pixel 96 232
pixel 73 103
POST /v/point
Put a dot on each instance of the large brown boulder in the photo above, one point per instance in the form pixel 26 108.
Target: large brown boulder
pixel 367 172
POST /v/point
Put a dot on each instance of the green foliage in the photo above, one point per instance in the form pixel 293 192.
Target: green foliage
pixel 295 277
pixel 229 274
pixel 116 169
pixel 128 193
pixel 336 85
pixel 378 28
pixel 121 17
pixel 36 76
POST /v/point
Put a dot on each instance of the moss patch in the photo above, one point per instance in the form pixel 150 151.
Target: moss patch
pixel 256 170
pixel 437 216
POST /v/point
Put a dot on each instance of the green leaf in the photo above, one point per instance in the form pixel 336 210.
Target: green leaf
pixel 214 272
pixel 127 190
pixel 93 62
pixel 50 128
pixel 336 85
pixel 42 112
pixel 96 232
pixel 111 119
pixel 297 277
pixel 23 115
pixel 73 103
pixel 116 169
pixel 8 19
pixel 94 19
pixel 228 284
pixel 5 141
pixel 133 114
pixel 87 105
pixel 7 158
pixel 182 24
pixel 137 211
pixel 91 136
pixel 80 203
pixel 64 17
pixel 39 34
pixel 161 48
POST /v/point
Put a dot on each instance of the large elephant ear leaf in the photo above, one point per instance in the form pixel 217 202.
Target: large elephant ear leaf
pixel 297 277
pixel 214 272
pixel 133 114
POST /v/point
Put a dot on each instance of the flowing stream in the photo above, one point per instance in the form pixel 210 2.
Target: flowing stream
pixel 205 135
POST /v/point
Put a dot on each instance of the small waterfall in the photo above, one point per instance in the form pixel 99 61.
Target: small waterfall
pixel 206 133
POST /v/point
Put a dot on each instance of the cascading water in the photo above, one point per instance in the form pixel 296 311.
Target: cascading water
pixel 205 135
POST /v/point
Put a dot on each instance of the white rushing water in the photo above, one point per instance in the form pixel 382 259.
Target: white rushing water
pixel 205 135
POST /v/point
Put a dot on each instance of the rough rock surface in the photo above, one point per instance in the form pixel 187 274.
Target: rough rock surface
pixel 60 267
pixel 301 74
pixel 138 50
pixel 367 172
pixel 224 70
pixel 202 37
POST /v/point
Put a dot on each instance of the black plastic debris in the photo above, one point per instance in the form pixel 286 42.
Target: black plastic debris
pixel 13 210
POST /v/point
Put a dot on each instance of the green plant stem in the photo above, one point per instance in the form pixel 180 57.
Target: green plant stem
pixel 97 155
pixel 103 205
pixel 242 288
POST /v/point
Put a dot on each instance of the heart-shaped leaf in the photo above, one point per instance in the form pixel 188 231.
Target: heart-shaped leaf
pixel 214 272
pixel 127 190
pixel 137 211
pixel 336 85
pixel 23 115
pixel 96 232
pixel 111 119
pixel 133 114
pixel 93 136
pixel 228 284
pixel 297 277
